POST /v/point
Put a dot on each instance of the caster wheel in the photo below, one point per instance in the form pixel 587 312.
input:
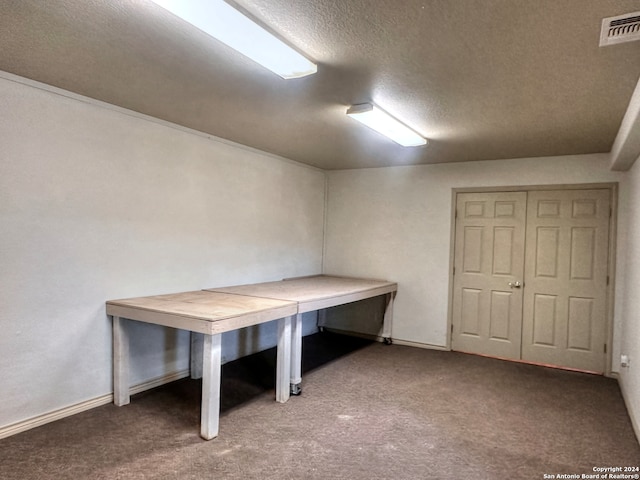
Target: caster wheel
pixel 296 389
pixel 386 341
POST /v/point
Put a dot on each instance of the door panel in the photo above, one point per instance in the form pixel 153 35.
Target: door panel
pixel 470 312
pixel 564 316
pixel 547 251
pixel 489 253
pixel 503 250
pixel 545 316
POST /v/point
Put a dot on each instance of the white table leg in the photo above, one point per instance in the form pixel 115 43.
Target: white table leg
pixel 322 319
pixel 296 355
pixel 211 376
pixel 388 318
pixel 195 355
pixel 283 366
pixel 120 363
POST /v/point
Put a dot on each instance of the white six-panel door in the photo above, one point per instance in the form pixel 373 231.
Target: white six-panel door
pixel 565 299
pixel 530 276
pixel 489 256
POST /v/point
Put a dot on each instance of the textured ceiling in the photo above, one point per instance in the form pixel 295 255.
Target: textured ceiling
pixel 482 79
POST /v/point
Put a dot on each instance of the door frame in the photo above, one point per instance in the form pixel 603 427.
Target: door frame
pixel 611 263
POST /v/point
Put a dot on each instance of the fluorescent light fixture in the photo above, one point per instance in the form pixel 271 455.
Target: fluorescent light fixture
pixel 380 121
pixel 222 21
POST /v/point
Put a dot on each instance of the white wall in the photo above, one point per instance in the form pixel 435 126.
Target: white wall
pixel 98 203
pixel 395 223
pixel 630 310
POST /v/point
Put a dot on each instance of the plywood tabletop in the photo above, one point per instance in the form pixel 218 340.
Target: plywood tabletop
pixel 314 292
pixel 202 311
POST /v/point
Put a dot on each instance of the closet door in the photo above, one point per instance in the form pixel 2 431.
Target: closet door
pixel 565 285
pixel 489 260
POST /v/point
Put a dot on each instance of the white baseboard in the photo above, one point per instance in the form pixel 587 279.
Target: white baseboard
pixel 366 336
pixel 427 346
pixel 61 413
pixel 632 415
pixel 156 382
pixel 395 341
pixel 45 418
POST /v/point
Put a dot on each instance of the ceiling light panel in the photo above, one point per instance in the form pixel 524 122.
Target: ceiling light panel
pixel 380 121
pixel 225 23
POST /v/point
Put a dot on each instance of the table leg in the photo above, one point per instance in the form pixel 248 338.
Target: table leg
pixel 322 319
pixel 195 355
pixel 296 355
pixel 283 367
pixel 120 362
pixel 388 319
pixel 211 376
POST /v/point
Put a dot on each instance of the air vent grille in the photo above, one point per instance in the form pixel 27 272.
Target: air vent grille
pixel 623 28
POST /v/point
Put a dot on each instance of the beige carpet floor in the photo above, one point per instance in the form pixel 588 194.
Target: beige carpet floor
pixel 367 411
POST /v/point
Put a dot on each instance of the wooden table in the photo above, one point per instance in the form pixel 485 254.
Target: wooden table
pixel 210 314
pixel 313 293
